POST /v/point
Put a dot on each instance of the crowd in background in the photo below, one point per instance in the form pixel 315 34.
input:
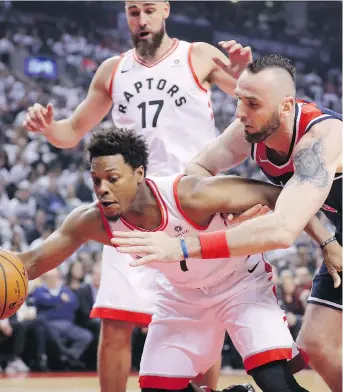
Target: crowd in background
pixel 40 184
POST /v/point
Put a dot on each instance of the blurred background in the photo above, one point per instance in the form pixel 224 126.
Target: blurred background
pixel 49 52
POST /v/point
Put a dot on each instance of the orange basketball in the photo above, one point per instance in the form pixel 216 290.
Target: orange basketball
pixel 13 284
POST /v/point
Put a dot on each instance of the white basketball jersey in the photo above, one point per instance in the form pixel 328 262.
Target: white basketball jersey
pixel 166 103
pixel 194 273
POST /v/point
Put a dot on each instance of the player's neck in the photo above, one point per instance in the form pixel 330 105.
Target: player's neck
pixel 281 140
pixel 164 48
pixel 144 211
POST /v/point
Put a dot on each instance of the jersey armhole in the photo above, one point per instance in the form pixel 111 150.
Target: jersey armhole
pixel 110 88
pixel 190 64
pixel 318 120
pixel 179 207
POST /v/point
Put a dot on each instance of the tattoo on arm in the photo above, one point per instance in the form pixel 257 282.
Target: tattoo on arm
pixel 310 166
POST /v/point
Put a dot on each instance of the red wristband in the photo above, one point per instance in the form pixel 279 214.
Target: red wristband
pixel 214 245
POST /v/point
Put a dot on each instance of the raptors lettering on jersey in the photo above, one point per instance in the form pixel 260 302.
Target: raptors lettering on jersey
pixel 140 87
pixel 166 102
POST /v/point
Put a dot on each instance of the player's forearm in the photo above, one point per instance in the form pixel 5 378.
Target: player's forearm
pixel 37 265
pixel 256 236
pixel 62 134
pixel 317 231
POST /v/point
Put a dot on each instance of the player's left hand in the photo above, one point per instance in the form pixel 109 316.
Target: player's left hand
pixel 239 57
pixel 154 247
pixel 333 259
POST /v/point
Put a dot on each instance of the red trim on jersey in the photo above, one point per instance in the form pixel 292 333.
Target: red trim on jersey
pixel 110 89
pixel 307 113
pixel 179 207
pixel 196 79
pixel 161 204
pixel 121 315
pixel 159 382
pixel 169 52
pixel 105 222
pixel 268 356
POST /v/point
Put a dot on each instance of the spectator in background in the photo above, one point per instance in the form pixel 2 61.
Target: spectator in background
pixel 4 200
pixel 46 231
pixel 83 192
pixel 38 225
pixel 86 294
pixel 57 304
pixel 51 201
pixel 12 343
pixel 71 200
pixel 4 166
pixel 23 206
pixel 37 333
pixel 76 275
pixel 291 303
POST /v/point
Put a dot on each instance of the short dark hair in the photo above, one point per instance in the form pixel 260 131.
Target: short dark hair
pixel 272 61
pixel 120 141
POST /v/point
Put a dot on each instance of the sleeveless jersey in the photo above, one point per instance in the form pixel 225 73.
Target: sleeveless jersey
pixel 193 273
pixel 307 114
pixel 166 103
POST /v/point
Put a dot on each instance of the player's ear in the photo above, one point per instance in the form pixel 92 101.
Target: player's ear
pixel 166 9
pixel 287 106
pixel 140 174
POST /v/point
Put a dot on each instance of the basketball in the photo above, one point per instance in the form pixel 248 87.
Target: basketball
pixel 13 284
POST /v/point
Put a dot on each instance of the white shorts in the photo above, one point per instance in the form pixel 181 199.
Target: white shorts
pixel 186 335
pixel 125 293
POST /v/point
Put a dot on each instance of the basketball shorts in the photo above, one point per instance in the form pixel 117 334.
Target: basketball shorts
pixel 125 293
pixel 323 292
pixel 186 335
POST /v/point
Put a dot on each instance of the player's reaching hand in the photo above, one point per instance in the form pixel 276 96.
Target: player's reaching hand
pixel 153 246
pixel 39 118
pixel 239 57
pixel 333 259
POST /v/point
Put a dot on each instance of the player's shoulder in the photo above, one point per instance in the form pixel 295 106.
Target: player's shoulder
pixel 105 71
pixel 84 217
pixel 202 47
pixel 110 63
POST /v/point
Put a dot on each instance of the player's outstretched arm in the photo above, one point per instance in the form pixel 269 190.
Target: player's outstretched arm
pixel 316 158
pixel 200 198
pixel 78 227
pixel 68 132
pixel 205 196
pixel 226 151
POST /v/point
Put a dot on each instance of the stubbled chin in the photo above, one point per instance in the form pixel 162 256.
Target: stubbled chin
pixel 113 218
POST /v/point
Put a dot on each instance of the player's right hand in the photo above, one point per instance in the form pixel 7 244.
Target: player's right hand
pixel 38 118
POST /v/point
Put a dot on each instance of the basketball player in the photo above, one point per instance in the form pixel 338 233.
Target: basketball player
pixel 297 145
pixel 197 301
pixel 160 88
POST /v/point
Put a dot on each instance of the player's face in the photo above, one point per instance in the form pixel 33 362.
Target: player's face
pixel 256 109
pixel 146 21
pixel 115 184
